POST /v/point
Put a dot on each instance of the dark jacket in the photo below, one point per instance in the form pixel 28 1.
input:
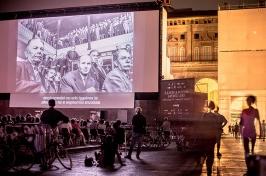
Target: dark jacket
pixel 52 116
pixel 139 123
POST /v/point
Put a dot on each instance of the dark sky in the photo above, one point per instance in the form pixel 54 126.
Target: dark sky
pixel 178 4
pixel 195 4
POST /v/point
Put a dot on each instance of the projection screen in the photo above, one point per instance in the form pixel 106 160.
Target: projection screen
pixel 82 61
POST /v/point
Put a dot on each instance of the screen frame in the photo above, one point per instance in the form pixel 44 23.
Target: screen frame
pixel 104 9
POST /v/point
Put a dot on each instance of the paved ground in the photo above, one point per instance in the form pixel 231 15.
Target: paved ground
pixel 169 162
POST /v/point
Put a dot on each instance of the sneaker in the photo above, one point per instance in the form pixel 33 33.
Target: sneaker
pixel 128 157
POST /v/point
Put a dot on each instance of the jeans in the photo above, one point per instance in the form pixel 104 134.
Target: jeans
pixel 136 139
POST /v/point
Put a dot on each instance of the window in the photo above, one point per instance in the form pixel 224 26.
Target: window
pixel 196 36
pixel 172 53
pixel 182 37
pixel 216 35
pixel 196 54
pixel 206 53
pixel 182 54
pixel 175 23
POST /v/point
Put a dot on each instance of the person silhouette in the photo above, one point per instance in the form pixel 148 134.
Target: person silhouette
pixel 247 126
pixel 208 130
pixel 221 123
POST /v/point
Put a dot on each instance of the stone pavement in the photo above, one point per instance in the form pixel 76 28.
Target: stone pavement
pixel 168 162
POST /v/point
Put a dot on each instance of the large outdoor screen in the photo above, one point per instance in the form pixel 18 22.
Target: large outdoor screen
pixel 82 61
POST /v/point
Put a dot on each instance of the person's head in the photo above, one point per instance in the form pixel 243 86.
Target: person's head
pixel 138 110
pixel 34 51
pixel 166 118
pixel 211 105
pixel 51 103
pixel 115 125
pixel 57 77
pixel 107 124
pixel 72 121
pixel 37 120
pixel 84 64
pixel 128 47
pixel 118 122
pixel 94 54
pixel 123 60
pixel 251 99
pixel 50 74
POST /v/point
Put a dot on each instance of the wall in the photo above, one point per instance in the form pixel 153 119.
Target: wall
pixel 241 59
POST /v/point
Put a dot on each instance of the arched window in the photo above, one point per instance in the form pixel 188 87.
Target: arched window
pixel 207 53
pixel 196 54
pixel 182 54
pixel 172 53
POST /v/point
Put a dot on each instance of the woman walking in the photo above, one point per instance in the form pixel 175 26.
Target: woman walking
pixel 247 125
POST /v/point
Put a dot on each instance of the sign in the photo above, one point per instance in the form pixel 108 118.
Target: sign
pixel 176 98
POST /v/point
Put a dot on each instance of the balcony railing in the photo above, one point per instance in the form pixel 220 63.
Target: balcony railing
pixel 203 58
pixel 228 6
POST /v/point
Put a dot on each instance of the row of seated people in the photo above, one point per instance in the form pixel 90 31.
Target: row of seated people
pixel 84 131
pixel 77 132
pixel 9 119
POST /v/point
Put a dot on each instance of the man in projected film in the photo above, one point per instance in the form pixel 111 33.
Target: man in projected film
pixel 80 81
pixel 97 72
pixel 28 74
pixel 118 80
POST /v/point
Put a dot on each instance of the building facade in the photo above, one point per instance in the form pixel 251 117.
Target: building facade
pixel 192 46
pixel 242 61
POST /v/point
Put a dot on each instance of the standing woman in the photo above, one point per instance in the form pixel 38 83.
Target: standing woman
pixel 247 125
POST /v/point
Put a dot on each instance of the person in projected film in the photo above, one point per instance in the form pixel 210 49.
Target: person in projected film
pixel 28 74
pixel 94 55
pixel 80 81
pixel 118 79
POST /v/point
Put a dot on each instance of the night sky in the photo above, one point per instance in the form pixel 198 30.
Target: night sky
pixel 195 4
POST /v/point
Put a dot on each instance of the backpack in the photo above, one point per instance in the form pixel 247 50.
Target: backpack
pixel 89 162
pixel 120 136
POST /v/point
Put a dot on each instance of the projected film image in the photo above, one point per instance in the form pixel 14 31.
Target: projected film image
pixel 75 54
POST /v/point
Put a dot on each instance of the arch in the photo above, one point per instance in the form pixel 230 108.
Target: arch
pixel 209 86
pixel 182 54
pixel 196 54
pixel 206 53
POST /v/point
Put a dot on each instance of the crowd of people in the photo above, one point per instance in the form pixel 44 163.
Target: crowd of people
pixel 40 74
pixel 72 132
pixel 106 28
pixel 234 130
pixel 110 134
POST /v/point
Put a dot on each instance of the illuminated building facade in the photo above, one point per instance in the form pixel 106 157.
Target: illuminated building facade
pixel 192 46
pixel 242 60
